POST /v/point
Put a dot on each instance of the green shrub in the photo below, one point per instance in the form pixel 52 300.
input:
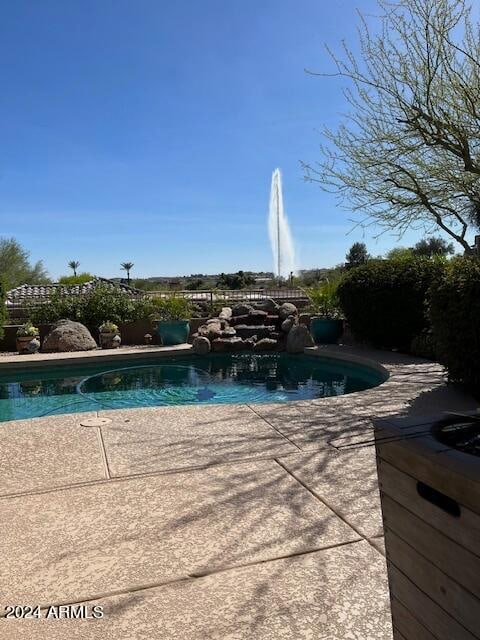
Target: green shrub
pixel 3 308
pixel 384 300
pixel 108 327
pixel 27 329
pixel 171 308
pixel 454 309
pixel 80 278
pixel 92 309
pixel 324 300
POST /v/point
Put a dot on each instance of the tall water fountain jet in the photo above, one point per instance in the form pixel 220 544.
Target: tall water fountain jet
pixel 279 230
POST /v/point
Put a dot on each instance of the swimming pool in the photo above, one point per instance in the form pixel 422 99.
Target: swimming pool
pixel 177 380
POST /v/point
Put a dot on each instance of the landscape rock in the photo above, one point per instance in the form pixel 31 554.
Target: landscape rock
pixel 298 338
pixel 287 309
pixel 67 335
pixel 219 321
pixel 225 313
pixel 249 343
pixel 241 309
pixel 265 344
pixel 247 331
pixel 269 305
pixel 225 345
pixel 257 317
pixel 287 324
pixel 211 330
pixel 228 332
pixel 304 318
pixel 234 320
pixel 274 320
pixel 201 345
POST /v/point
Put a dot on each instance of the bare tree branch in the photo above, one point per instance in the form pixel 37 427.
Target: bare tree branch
pixel 408 152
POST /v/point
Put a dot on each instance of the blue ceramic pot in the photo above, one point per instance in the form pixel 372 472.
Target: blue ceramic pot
pixel 326 330
pixel 173 332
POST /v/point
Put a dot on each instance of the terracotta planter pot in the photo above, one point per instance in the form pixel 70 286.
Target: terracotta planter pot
pixel 23 342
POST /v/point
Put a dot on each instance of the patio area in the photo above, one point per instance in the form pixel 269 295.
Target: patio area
pixel 215 521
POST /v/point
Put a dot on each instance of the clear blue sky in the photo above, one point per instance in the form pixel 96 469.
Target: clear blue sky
pixel 147 131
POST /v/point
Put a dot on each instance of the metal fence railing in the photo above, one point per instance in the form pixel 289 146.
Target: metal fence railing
pixel 19 307
pixel 232 296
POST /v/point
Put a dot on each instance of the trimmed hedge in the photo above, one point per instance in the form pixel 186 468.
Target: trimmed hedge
pixel 454 309
pixel 384 300
pixel 3 308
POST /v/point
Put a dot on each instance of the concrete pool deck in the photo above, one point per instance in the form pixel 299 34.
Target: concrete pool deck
pixel 214 521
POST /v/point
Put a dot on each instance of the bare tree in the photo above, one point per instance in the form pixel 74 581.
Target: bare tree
pixel 408 153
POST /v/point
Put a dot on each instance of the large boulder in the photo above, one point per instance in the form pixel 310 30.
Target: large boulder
pixel 201 345
pixel 265 344
pixel 241 309
pixel 287 309
pixel 298 338
pixel 67 335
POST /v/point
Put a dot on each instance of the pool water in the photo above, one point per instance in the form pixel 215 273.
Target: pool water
pixel 177 380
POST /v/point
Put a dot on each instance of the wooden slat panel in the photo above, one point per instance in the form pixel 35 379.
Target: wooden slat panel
pixel 452 473
pixel 448 594
pixel 397 635
pixel 403 489
pixel 407 625
pixel 434 618
pixel 451 558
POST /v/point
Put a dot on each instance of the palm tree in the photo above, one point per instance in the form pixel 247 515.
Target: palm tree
pixel 74 264
pixel 126 266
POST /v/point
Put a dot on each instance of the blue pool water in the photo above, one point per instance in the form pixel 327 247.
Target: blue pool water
pixel 217 379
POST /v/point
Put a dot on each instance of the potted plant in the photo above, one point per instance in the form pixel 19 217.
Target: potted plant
pixel 27 338
pixel 172 315
pixel 326 324
pixel 109 335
